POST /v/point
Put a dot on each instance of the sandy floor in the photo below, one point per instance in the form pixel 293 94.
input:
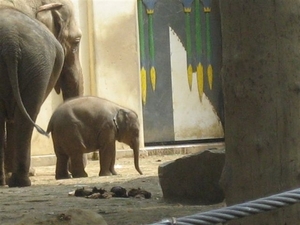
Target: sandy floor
pixel 47 196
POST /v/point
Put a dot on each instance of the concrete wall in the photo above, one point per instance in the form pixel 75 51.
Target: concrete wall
pixel 116 53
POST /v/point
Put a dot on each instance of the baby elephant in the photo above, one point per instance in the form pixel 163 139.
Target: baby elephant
pixel 87 124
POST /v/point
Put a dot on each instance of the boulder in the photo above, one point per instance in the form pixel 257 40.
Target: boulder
pixel 193 178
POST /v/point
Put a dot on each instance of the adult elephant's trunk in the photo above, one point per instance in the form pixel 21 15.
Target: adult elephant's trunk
pixel 136 155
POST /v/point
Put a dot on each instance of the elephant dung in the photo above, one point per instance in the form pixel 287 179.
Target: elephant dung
pixel 193 178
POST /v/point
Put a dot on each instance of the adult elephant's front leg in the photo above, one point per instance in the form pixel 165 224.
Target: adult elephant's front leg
pixel 107 159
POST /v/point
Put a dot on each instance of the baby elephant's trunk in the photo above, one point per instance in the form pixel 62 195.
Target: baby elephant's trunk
pixel 136 155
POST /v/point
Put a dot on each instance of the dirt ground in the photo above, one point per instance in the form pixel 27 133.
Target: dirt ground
pixel 49 197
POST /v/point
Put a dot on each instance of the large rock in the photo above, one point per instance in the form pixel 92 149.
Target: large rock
pixel 193 178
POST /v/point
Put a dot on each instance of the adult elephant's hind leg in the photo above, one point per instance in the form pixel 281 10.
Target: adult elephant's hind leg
pixel 9 149
pixel 32 98
pixel 22 137
pixel 2 143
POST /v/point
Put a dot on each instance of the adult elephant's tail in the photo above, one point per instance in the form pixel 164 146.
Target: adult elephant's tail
pixel 13 77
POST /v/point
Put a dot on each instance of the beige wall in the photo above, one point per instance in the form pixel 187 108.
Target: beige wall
pixel 109 57
pixel 116 53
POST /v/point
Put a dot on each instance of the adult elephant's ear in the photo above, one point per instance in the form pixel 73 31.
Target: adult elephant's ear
pixel 57 87
pixel 49 15
pixel 60 19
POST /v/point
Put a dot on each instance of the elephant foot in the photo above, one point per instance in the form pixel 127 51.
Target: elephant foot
pixel 19 181
pixel 2 180
pixel 81 174
pixel 62 176
pixel 107 173
pixel 113 172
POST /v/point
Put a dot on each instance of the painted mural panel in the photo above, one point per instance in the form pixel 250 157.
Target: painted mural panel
pixel 180 48
pixel 157 102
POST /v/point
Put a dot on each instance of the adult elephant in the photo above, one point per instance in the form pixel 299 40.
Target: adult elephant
pixel 60 20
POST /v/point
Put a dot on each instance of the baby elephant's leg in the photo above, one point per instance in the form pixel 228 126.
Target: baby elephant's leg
pixel 61 171
pixel 77 164
pixel 112 163
pixel 85 159
pixel 107 159
pixel 104 164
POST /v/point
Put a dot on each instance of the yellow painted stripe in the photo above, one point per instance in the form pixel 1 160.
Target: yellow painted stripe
pixel 153 77
pixel 190 75
pixel 210 76
pixel 200 80
pixel 144 84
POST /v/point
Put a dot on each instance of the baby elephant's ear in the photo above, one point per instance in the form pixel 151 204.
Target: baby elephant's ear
pixel 122 119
